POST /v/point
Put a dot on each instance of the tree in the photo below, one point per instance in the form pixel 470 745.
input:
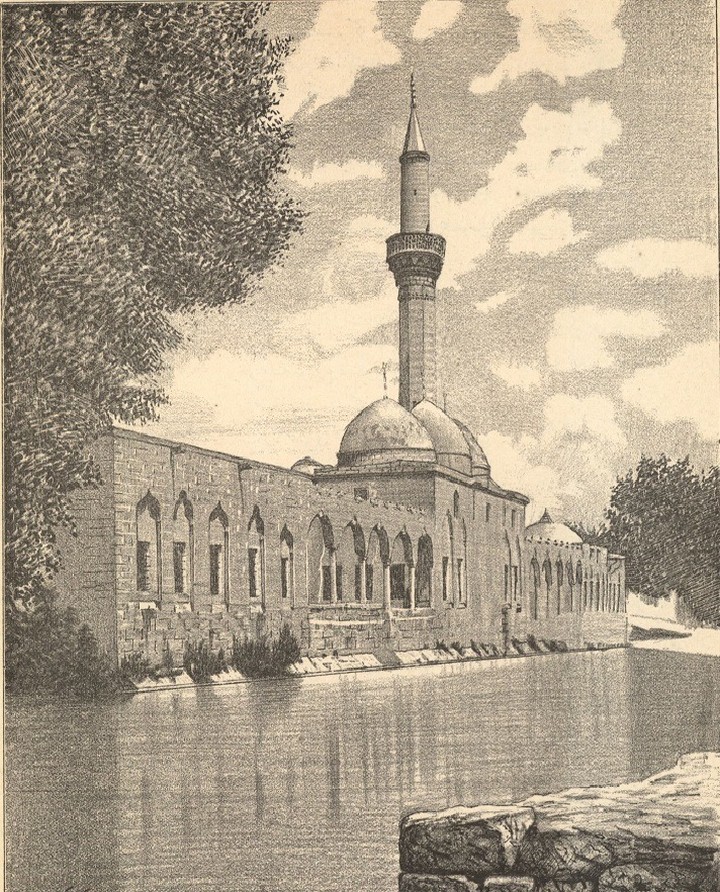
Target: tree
pixel 142 147
pixel 665 518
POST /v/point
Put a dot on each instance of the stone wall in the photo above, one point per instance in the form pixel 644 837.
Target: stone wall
pixel 659 834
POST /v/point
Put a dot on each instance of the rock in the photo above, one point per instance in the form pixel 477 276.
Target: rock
pixel 649 878
pixel 563 855
pixel 466 841
pixel 567 886
pixel 428 882
pixel 509 884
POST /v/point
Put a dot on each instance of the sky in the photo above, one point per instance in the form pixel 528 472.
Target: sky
pixel 574 176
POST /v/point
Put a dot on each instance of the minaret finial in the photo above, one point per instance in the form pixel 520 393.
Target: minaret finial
pixel 384 374
pixel 413 96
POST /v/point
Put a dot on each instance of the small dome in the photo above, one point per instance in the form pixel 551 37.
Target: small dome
pixel 546 528
pixel 307 465
pixel 480 464
pixel 451 447
pixel 384 432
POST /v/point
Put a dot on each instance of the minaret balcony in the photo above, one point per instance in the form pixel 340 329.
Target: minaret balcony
pixel 415 252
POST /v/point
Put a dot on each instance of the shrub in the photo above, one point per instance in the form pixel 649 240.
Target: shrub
pixel 265 658
pixel 48 651
pixel 455 645
pixel 532 642
pixel 201 662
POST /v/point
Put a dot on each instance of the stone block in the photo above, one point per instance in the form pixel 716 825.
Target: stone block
pixel 564 855
pixel 649 878
pixel 567 886
pixel 509 884
pixel 428 882
pixel 465 841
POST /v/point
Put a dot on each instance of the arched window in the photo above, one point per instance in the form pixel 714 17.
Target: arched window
pixel 461 566
pixel 448 559
pixel 547 573
pixel 183 545
pixel 287 566
pixel 321 560
pixel 582 586
pixel 559 579
pixel 401 571
pixel 148 546
pixel 256 558
pixel 218 539
pixel 424 571
pixel 378 557
pixel 351 564
pixel 456 504
pixel 571 583
pixel 535 574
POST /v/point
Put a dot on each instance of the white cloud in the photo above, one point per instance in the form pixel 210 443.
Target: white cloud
pixel 577 418
pixel 579 334
pixel 345 39
pixel 560 38
pixel 329 174
pixel 354 269
pixel 545 234
pixel 650 258
pixel 494 301
pixel 436 16
pixel 685 388
pixel 522 377
pixel 553 157
pixel 272 407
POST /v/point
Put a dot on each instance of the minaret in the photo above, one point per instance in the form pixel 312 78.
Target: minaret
pixel 415 256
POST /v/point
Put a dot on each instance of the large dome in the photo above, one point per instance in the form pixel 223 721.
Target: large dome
pixel 384 432
pixel 546 528
pixel 451 447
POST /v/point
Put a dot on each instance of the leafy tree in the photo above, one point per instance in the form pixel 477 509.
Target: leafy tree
pixel 665 518
pixel 142 147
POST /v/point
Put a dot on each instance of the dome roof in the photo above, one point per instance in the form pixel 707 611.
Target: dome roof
pixel 546 528
pixel 307 465
pixel 479 460
pixel 450 444
pixel 383 432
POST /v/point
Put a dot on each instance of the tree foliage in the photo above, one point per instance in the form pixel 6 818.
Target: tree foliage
pixel 665 518
pixel 142 146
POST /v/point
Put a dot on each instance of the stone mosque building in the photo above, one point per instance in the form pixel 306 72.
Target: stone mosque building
pixel 407 541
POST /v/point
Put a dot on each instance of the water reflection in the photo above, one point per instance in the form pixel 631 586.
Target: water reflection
pixel 299 785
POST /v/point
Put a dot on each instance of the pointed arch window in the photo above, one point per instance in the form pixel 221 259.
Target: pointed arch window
pixel 148 546
pixel 287 568
pixel 183 545
pixel 256 558
pixel 219 542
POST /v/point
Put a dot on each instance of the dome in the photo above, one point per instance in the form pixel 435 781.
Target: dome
pixel 480 464
pixel 307 465
pixel 546 528
pixel 384 432
pixel 451 446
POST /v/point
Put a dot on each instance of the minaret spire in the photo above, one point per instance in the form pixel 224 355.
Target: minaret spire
pixel 415 256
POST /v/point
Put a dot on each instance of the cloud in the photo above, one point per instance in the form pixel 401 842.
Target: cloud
pixel 579 335
pixel 345 39
pixel 329 174
pixel 436 16
pixel 522 377
pixel 272 407
pixel 495 301
pixel 553 157
pixel 577 418
pixel 559 38
pixel 545 234
pixel 650 258
pixel 685 388
pixel 355 269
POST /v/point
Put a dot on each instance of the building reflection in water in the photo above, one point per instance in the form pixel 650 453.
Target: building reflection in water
pixel 294 784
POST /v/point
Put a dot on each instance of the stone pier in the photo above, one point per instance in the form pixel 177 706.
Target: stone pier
pixel 662 833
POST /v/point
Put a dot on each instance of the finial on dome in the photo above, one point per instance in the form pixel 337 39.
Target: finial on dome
pixel 384 374
pixel 546 517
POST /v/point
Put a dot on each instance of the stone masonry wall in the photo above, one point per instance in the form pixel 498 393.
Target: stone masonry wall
pixel 658 834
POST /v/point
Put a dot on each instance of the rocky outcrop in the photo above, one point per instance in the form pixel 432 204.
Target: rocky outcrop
pixel 659 834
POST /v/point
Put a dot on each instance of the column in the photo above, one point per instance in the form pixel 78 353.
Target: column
pixel 386 587
pixel 363 581
pixel 412 587
pixel 333 576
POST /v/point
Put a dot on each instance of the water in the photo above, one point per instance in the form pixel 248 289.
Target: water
pixel 299 784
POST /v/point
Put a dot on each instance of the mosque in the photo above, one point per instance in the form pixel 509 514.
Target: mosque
pixel 406 542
